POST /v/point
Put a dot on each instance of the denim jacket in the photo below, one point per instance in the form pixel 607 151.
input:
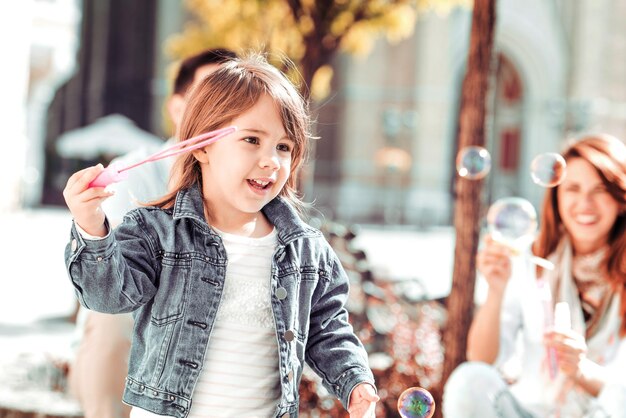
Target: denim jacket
pixel 168 267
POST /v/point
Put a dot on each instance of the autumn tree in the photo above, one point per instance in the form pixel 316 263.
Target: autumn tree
pixel 308 32
pixel 468 202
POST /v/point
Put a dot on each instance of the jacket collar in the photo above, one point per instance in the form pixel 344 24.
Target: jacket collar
pixel 289 225
pixel 189 204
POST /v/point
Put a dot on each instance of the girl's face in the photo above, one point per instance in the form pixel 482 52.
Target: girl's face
pixel 245 170
pixel 586 207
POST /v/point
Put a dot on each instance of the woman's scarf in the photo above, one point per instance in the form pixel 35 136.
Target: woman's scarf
pixel 601 329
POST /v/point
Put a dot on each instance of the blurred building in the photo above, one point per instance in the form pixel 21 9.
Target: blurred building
pixel 388 131
pixel 39 41
pixel 559 69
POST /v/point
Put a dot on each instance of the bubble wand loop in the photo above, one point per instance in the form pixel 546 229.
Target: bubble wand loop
pixel 112 174
pixel 512 221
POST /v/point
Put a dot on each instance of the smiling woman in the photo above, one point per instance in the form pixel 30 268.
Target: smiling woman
pixel 583 232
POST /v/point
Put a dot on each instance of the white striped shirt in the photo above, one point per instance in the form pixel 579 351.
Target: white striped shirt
pixel 240 375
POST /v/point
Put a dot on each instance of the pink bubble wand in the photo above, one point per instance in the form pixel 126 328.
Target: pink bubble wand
pixel 113 174
pixel 548 321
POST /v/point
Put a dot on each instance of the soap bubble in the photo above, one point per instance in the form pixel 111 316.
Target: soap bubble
pixel 416 402
pixel 548 169
pixel 512 219
pixel 473 163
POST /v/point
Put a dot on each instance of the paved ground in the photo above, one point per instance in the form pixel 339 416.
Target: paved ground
pixel 401 252
pixel 34 284
pixel 34 294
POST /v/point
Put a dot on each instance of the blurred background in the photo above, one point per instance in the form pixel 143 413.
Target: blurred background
pixel 77 76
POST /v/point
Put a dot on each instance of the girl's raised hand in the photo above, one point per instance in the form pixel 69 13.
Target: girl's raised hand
pixel 84 202
pixel 494 263
pixel 363 401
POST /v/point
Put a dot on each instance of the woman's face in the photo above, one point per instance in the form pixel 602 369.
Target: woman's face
pixel 586 207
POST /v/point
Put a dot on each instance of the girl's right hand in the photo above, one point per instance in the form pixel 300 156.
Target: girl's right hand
pixel 84 202
pixel 494 263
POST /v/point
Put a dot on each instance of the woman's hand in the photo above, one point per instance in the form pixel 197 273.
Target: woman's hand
pixel 363 401
pixel 494 263
pixel 84 202
pixel 571 351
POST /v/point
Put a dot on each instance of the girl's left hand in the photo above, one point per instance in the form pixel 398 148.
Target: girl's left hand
pixel 571 351
pixel 363 401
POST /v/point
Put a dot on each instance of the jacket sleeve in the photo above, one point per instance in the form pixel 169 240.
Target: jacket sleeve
pixel 333 350
pixel 116 274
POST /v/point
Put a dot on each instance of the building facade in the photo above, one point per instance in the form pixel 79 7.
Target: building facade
pixel 388 146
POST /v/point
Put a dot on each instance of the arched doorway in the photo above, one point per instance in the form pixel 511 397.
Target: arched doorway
pixel 506 131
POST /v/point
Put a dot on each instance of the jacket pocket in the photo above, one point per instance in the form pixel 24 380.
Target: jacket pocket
pixel 171 297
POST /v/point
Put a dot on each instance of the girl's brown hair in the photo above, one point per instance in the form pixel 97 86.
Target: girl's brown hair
pixel 224 95
pixel 607 155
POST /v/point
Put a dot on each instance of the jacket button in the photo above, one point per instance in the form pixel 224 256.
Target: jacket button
pixel 281 293
pixel 289 335
pixel 74 245
pixel 172 398
pixel 99 258
pixel 155 393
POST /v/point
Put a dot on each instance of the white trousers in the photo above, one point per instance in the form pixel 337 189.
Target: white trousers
pixel 476 390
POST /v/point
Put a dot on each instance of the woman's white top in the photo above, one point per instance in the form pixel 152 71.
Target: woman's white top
pixel 240 375
pixel 521 338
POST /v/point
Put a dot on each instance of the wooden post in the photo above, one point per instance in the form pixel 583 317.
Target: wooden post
pixel 467 212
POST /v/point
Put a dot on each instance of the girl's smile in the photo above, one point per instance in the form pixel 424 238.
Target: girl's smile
pixel 260 185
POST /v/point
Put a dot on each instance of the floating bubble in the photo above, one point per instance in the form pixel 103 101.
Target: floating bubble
pixel 548 169
pixel 512 219
pixel 473 163
pixel 416 402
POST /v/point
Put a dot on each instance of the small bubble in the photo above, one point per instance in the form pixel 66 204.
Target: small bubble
pixel 548 169
pixel 416 402
pixel 512 219
pixel 473 163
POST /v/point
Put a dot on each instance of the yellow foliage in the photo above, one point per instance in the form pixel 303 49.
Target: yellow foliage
pixel 342 23
pixel 359 40
pixel 400 23
pixel 306 24
pixel 270 26
pixel 320 86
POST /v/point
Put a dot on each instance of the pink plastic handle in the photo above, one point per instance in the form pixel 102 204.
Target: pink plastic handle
pixel 109 175
pixel 113 174
pixel 548 322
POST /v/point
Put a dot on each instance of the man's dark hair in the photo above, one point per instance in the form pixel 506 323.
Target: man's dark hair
pixel 190 65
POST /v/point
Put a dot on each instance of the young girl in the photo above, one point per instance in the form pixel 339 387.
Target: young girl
pixel 231 290
pixel 572 372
